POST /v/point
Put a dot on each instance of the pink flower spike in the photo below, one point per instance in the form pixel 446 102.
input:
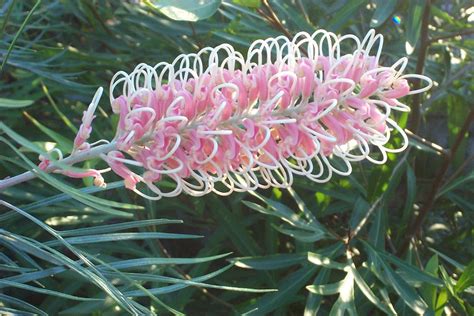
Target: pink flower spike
pixel 219 121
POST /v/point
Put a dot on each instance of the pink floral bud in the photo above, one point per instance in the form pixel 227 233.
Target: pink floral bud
pixel 85 129
pixel 98 179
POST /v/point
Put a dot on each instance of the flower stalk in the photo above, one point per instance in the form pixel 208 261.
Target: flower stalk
pixel 92 153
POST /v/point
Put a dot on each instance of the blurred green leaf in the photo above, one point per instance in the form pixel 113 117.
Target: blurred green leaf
pixel 254 4
pixel 365 289
pixel 63 143
pixel 313 302
pixel 271 262
pixel 407 293
pixel 383 10
pixel 429 291
pixel 46 291
pixel 324 261
pixel 344 15
pixel 14 104
pixel 466 279
pixel 448 259
pixel 287 288
pixel 460 182
pixel 326 289
pixel 390 277
pixel 410 195
pixel 25 306
pixel 413 24
pixel 186 10
pixel 90 239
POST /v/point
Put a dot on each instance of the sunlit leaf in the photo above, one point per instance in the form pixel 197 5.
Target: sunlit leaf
pixel 186 10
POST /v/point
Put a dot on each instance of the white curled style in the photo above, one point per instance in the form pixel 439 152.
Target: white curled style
pixel 195 106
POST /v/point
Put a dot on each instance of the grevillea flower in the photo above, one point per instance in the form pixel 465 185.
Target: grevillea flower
pixel 289 107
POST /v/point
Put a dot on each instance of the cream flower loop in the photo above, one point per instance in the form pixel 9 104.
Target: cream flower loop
pixel 289 107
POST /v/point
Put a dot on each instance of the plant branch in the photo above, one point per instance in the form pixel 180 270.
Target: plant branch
pixel 437 182
pixel 273 18
pixel 424 44
pixel 451 35
pixel 355 232
pixel 73 159
pixel 426 142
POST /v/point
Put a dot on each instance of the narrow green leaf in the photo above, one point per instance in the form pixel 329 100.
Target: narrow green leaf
pixel 413 24
pixel 117 227
pixel 406 292
pixel 365 289
pixel 46 291
pixel 313 301
pixel 448 259
pixel 20 303
pixel 344 15
pixel 460 182
pixel 411 271
pixel 283 212
pixel 326 289
pixel 287 288
pixel 464 203
pixel 410 196
pixel 14 104
pixel 326 262
pixel 466 279
pixel 22 27
pixel 360 210
pixel 235 228
pixel 428 291
pixel 133 263
pixel 91 239
pixel 166 289
pixel 11 268
pixel 186 10
pixel 384 272
pixel 64 144
pixel 271 262
pixel 377 229
pixel 301 235
pixel 254 4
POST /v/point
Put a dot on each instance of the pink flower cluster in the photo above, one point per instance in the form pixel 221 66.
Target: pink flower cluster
pixel 289 107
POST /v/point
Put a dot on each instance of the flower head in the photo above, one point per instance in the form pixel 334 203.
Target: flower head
pixel 289 107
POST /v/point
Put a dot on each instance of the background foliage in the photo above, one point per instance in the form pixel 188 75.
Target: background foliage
pixel 388 239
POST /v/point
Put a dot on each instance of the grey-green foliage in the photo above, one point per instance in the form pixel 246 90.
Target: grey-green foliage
pixel 68 247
